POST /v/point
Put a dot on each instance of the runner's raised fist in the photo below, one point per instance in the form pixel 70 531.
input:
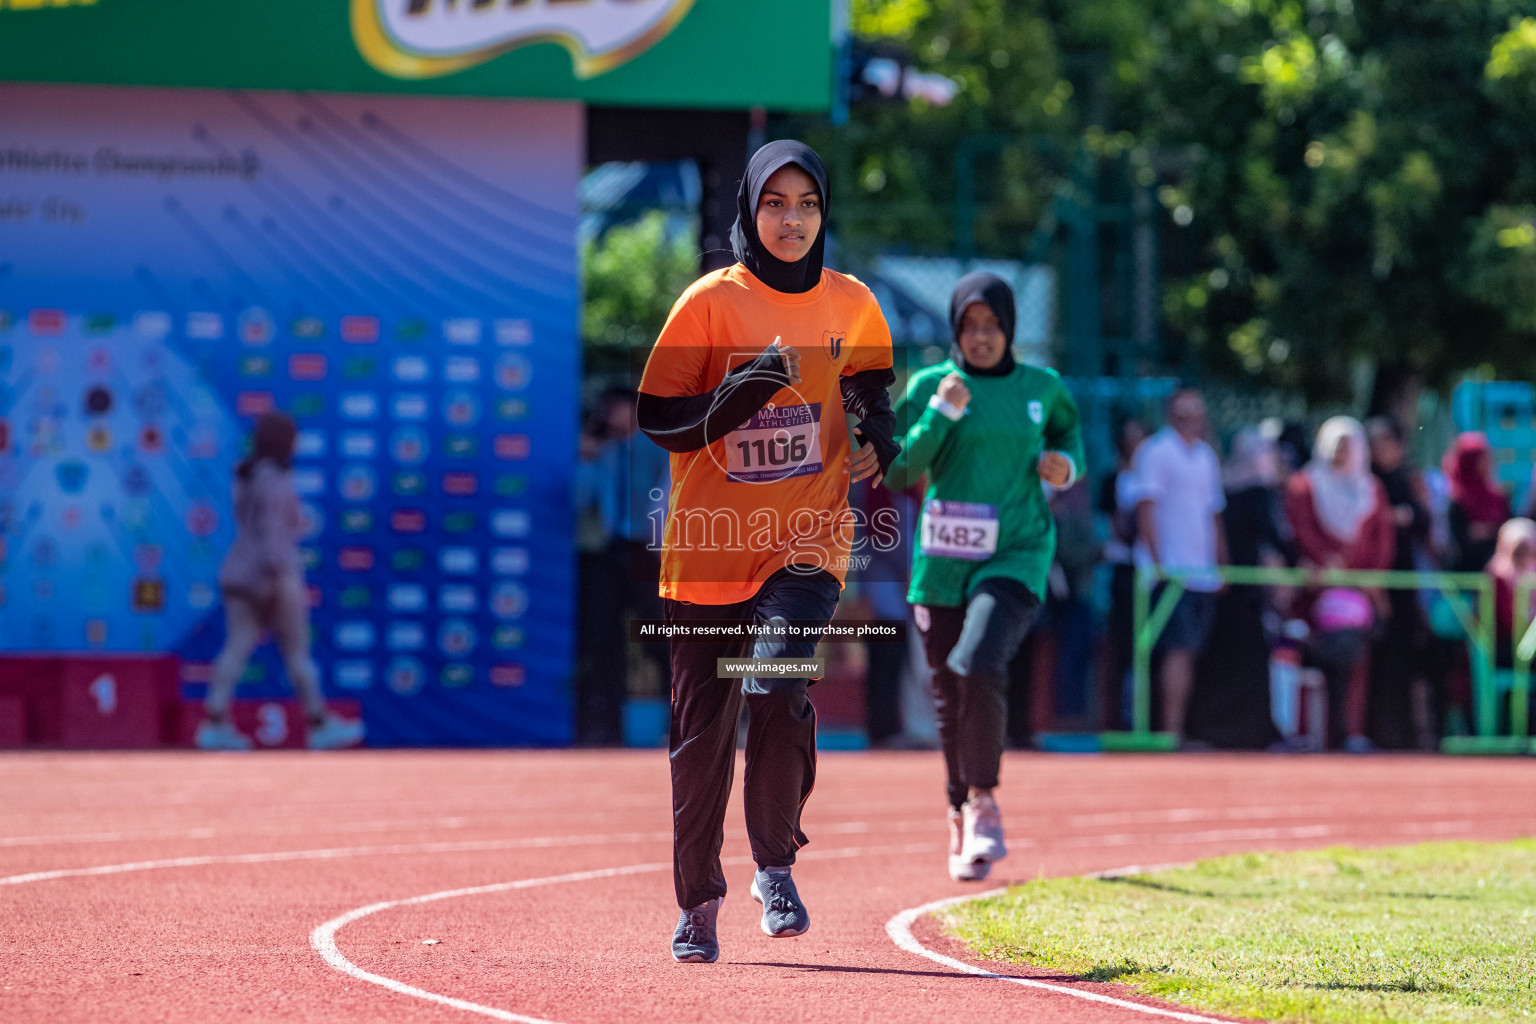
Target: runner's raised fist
pixel 953 390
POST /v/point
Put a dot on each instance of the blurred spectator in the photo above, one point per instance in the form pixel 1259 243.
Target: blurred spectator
pixel 262 580
pixel 1231 703
pixel 1514 557
pixel 1342 519
pixel 1069 607
pixel 621 481
pixel 1291 445
pixel 1403 650
pixel 1117 503
pixel 1478 507
pixel 1178 519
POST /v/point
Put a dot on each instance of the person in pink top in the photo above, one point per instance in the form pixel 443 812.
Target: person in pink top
pixel 262 580
pixel 1342 519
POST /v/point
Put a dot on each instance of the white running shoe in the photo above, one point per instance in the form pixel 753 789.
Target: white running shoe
pixel 220 736
pixel 983 830
pixel 960 869
pixel 335 734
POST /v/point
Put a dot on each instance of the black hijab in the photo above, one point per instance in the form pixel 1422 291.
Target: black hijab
pixel 995 293
pixel 792 278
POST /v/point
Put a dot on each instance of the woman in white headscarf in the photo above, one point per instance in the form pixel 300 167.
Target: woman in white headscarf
pixel 1342 519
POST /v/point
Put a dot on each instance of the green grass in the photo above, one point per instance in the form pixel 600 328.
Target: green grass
pixel 1435 932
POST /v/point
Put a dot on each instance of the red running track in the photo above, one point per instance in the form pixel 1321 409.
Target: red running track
pixel 182 887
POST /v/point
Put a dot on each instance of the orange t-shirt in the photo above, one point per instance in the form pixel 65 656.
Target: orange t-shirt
pixel 774 491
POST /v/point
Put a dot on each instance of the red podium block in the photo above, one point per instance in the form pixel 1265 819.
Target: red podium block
pixel 115 702
pixel 112 701
pixel 13 722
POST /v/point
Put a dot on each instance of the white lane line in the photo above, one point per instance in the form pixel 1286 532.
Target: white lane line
pixel 323 938
pixel 1222 835
pixel 361 826
pixel 899 928
pixel 335 853
pixel 1304 811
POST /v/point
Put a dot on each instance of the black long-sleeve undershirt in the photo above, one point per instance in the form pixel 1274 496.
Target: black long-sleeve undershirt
pixel 866 395
pixel 687 423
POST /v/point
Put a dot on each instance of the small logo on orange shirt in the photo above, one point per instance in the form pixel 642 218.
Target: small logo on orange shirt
pixel 832 343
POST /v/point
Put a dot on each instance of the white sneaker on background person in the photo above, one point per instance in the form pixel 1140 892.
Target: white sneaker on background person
pixel 960 868
pixel 221 735
pixel 983 841
pixel 335 734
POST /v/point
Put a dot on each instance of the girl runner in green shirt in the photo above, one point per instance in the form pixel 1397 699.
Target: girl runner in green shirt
pixel 986 431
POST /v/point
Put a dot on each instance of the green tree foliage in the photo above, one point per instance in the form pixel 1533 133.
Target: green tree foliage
pixel 632 273
pixel 1352 177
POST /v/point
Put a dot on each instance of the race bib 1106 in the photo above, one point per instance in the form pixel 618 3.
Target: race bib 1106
pixel 959 529
pixel 775 444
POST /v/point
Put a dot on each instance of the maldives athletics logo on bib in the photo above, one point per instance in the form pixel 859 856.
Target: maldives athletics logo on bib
pixel 430 38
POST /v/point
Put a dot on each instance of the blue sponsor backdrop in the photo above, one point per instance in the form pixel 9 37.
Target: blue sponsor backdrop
pixel 399 274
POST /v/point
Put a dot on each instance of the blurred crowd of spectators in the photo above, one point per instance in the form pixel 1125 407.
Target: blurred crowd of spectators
pixel 1386 668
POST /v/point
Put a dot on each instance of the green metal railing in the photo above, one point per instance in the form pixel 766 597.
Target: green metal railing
pixel 1149 621
pixel 1525 651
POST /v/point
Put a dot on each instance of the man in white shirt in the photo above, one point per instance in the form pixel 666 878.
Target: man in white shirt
pixel 1178 513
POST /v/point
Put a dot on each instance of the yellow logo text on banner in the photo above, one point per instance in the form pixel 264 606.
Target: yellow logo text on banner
pixel 429 38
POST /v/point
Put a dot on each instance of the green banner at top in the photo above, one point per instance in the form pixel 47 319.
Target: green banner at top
pixel 690 53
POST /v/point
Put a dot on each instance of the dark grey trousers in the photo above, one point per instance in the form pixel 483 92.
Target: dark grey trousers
pixel 781 734
pixel 969 648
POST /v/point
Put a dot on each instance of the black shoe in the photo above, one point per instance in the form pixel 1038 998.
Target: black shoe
pixel 784 916
pixel 695 941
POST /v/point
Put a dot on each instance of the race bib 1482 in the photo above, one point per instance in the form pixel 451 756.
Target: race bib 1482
pixel 775 444
pixel 959 529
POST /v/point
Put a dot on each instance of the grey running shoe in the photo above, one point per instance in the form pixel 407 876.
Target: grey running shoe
pixel 784 916
pixel 695 941
pixel 983 830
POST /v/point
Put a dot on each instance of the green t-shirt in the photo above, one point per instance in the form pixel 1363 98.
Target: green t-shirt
pixel 985 463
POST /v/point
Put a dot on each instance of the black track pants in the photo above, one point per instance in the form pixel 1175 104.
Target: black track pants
pixel 969 649
pixel 781 734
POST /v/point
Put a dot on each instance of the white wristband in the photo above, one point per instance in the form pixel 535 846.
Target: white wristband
pixel 948 409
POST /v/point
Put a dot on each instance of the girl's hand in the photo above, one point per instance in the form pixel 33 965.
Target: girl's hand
pixel 791 360
pixel 1055 469
pixel 952 389
pixel 864 464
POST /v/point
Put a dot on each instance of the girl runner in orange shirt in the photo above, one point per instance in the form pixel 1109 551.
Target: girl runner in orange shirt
pixel 748 387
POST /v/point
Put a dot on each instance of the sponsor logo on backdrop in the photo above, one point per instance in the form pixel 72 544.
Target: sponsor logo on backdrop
pixel 410 406
pixel 463 331
pixel 359 330
pixel 205 326
pixel 355 559
pixel 356 635
pixel 256 327
pixel 46 323
pixel 306 366
pixel 409 484
pixel 405 675
pixel 359 444
pixel 353 675
pixel 358 483
pixel 508 675
pixel 431 38
pixel 407 597
pixel 458 598
pixel 407 520
pixel 407 636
